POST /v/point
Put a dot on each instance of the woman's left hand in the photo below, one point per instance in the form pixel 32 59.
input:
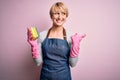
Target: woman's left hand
pixel 76 39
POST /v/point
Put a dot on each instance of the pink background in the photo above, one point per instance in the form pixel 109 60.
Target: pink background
pixel 100 50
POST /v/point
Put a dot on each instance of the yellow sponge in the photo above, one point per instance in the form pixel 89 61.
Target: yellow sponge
pixel 34 32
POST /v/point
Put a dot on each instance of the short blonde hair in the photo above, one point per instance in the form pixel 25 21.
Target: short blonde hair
pixel 59 6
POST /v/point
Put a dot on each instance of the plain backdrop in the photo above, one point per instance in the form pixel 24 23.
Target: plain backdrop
pixel 99 57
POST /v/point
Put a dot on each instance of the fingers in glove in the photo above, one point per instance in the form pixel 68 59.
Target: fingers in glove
pixel 29 34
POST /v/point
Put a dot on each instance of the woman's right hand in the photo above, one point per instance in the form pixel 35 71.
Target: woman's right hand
pixel 33 43
pixel 30 40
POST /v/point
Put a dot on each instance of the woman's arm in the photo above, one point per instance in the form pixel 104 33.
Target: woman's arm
pixel 36 47
pixel 39 60
pixel 74 43
pixel 42 36
pixel 73 61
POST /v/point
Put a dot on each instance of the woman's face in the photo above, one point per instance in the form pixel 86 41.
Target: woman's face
pixel 59 18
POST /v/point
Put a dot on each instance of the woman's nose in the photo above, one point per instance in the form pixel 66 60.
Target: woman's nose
pixel 59 15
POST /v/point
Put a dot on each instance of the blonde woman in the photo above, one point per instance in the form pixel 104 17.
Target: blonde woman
pixel 56 49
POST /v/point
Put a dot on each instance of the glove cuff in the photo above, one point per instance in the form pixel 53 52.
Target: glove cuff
pixel 74 51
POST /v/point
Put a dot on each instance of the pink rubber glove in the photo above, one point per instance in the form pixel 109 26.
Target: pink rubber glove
pixel 34 45
pixel 76 39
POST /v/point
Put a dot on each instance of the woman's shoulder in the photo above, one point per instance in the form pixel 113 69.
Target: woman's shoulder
pixel 43 32
pixel 69 33
pixel 42 35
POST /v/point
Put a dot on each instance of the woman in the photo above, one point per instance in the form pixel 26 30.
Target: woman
pixel 56 48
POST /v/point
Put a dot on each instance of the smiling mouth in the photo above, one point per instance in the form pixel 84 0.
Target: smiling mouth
pixel 59 21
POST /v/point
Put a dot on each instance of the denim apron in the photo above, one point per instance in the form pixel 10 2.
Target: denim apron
pixel 55 60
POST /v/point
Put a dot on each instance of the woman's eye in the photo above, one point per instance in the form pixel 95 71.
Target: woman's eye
pixel 58 13
pixel 63 13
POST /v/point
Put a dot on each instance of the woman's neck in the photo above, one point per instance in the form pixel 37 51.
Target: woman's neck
pixel 56 32
pixel 57 28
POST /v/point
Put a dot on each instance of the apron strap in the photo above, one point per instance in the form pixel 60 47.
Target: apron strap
pixel 64 34
pixel 48 32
